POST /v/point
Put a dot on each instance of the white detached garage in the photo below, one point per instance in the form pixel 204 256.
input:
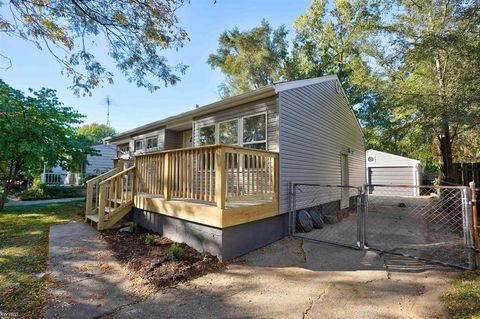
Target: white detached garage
pixel 389 169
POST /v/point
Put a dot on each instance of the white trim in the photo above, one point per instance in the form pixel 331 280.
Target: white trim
pixel 283 86
pixel 240 130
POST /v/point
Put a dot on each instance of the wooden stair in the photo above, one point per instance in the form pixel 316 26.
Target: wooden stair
pixel 111 217
pixel 113 197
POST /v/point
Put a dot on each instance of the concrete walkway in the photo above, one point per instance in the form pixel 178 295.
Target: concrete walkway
pixel 43 201
pixel 288 279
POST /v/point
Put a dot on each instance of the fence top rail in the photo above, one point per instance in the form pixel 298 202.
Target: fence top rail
pixel 417 186
pixel 327 185
pixel 206 147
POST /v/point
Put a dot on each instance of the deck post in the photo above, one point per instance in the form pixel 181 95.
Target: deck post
pixel 101 206
pixel 220 177
pixel 275 177
pixel 166 177
pixel 89 200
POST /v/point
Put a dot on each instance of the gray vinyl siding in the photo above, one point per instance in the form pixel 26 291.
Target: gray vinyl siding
pixel 173 140
pixel 269 105
pixel 102 163
pixel 316 126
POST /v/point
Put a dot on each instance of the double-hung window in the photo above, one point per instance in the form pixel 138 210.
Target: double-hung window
pixel 152 143
pixel 255 131
pixel 207 135
pixel 228 132
pixel 249 131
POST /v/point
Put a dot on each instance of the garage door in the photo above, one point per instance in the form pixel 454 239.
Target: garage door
pixel 391 176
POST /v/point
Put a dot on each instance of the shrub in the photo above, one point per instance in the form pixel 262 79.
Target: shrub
pixel 175 252
pixel 150 239
pixel 33 194
pixel 132 228
pixel 51 191
pixel 54 191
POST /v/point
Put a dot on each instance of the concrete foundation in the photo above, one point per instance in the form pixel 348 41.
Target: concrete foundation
pixel 226 243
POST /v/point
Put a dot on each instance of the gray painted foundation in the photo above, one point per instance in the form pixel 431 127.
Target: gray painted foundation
pixel 226 243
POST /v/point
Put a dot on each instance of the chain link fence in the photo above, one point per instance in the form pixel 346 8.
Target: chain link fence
pixel 428 223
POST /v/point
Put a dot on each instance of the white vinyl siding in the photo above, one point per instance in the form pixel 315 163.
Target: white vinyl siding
pixel 102 163
pixel 316 126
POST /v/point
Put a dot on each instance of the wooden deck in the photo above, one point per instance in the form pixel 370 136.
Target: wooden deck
pixel 218 186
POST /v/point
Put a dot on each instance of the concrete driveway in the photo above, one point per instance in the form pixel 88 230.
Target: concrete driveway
pixel 287 279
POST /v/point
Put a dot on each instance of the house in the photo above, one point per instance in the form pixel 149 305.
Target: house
pixel 389 169
pixel 94 165
pixel 217 177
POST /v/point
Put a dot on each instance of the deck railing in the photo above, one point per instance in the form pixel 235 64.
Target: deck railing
pixel 215 174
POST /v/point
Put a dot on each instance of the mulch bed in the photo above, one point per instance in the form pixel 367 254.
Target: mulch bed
pixel 153 263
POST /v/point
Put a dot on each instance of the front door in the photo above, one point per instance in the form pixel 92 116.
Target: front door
pixel 187 139
pixel 345 201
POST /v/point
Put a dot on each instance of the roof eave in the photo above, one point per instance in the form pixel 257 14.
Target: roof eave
pixel 264 92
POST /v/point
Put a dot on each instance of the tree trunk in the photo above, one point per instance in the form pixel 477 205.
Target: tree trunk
pixel 446 153
pixel 6 191
pixel 9 181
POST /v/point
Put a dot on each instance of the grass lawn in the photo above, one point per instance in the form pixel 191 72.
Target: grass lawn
pixel 23 253
pixel 464 300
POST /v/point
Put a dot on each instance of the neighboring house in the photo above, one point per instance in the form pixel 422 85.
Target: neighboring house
pixel 217 177
pixel 96 165
pixel 389 169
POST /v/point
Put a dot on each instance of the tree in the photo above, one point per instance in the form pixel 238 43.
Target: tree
pixel 35 129
pixel 430 70
pixel 133 31
pixel 250 59
pixel 96 132
pixel 331 39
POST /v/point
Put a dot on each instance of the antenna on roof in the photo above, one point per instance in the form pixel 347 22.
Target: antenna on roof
pixel 108 101
pixel 196 106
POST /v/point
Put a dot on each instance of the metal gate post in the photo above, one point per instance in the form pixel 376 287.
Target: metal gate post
pixel 365 216
pixel 360 241
pixel 289 192
pixel 468 236
pixel 294 210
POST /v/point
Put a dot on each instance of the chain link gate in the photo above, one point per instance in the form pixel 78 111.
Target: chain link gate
pixel 340 208
pixel 430 223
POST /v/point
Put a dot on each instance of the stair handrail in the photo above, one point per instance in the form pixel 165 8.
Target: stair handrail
pixel 104 197
pixel 90 184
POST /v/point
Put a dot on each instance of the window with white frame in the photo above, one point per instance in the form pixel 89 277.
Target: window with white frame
pixel 139 145
pixel 152 143
pixel 254 131
pixel 228 132
pixel 207 135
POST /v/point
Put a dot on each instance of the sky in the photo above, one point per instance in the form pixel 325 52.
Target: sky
pixel 132 106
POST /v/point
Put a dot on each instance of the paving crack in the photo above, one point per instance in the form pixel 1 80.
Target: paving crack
pixel 389 274
pixel 302 253
pixel 314 301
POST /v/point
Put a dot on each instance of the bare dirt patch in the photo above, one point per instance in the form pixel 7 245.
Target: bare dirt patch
pixel 153 263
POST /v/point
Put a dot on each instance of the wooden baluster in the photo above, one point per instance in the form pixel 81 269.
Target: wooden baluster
pixel 237 161
pixel 248 173
pixel 212 198
pixel 166 177
pixel 205 176
pixel 200 175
